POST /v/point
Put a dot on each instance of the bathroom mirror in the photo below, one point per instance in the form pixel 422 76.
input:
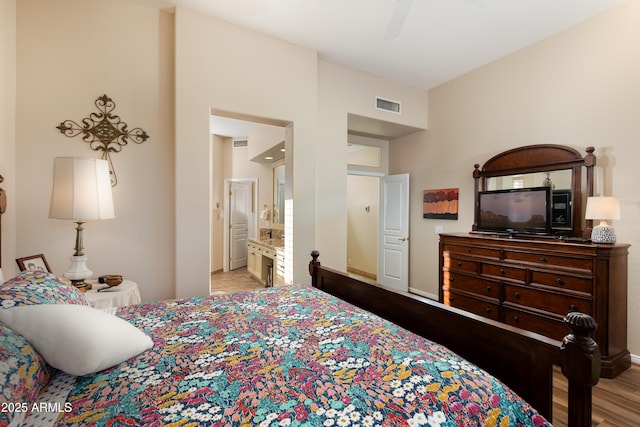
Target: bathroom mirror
pixel 278 194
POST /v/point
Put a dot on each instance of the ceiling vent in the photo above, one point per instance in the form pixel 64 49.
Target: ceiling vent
pixel 237 143
pixel 387 105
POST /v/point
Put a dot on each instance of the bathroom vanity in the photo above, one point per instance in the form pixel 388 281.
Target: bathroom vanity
pixel 261 253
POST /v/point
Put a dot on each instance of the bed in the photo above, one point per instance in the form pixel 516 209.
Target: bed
pixel 312 355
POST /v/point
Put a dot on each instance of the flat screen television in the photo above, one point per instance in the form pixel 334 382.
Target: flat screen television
pixel 522 210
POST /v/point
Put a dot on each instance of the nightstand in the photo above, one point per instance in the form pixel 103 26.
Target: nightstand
pixel 126 293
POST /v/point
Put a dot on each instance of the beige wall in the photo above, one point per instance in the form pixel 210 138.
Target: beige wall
pixel 343 91
pixel 284 85
pixel 69 54
pixel 579 88
pixel 219 160
pixel 7 130
pixel 62 69
pixel 254 75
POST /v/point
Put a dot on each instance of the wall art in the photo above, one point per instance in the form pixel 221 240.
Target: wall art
pixel 440 204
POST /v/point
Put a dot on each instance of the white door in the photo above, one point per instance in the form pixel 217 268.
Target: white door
pixel 239 213
pixel 393 234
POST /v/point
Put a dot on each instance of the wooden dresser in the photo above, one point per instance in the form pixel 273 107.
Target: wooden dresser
pixel 534 283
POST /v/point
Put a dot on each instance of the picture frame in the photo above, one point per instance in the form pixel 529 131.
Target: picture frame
pixel 441 203
pixel 34 263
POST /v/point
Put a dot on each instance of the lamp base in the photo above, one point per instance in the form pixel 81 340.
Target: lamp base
pixel 81 285
pixel 603 234
pixel 78 272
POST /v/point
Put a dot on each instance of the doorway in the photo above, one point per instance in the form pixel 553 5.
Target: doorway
pixel 241 148
pixel 378 228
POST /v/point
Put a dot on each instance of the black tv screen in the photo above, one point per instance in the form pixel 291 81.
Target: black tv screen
pixel 522 210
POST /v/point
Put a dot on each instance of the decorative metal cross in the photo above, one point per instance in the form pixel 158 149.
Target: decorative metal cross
pixel 104 132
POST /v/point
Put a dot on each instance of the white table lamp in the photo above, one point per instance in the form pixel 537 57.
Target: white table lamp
pixel 81 192
pixel 603 209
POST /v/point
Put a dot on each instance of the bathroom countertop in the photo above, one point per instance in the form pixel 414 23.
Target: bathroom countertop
pixel 272 243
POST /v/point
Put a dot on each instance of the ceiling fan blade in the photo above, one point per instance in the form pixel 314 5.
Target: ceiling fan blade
pixel 396 22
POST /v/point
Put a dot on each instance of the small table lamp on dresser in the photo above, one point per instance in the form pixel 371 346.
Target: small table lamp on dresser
pixel 81 192
pixel 603 208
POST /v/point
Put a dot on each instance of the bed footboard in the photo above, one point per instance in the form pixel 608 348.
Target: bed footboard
pixel 521 359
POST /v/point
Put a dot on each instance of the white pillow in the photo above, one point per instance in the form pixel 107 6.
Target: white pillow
pixel 76 339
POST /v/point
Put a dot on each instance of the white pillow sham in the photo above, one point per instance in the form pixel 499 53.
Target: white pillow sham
pixel 76 339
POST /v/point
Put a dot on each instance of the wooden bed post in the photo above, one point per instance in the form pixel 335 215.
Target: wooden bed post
pixel 312 267
pixel 581 365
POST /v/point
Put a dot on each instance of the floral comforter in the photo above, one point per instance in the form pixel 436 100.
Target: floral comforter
pixel 287 356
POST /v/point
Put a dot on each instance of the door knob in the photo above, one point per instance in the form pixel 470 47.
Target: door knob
pixel 402 239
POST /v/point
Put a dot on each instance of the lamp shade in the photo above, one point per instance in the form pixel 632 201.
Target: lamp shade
pixel 602 208
pixel 81 189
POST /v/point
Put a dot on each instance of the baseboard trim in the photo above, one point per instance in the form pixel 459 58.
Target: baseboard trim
pixel 362 273
pixel 423 293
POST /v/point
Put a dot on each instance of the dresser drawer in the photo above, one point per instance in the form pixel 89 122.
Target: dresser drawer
pixel 548 326
pixel 503 272
pixel 473 250
pixel 547 301
pixel 475 285
pixel 462 264
pixel 562 281
pixel 473 305
pixel 549 259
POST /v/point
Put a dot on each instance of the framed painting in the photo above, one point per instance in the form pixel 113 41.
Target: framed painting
pixel 440 204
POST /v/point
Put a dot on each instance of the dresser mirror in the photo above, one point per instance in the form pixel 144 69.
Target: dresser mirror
pixel 561 184
pixel 568 174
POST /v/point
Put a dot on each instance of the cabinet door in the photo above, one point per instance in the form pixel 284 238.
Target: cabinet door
pixel 251 260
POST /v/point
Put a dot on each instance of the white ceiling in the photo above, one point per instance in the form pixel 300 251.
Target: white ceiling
pixel 432 42
pixel 436 41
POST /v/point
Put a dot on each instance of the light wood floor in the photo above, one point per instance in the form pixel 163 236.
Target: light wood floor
pixel 616 402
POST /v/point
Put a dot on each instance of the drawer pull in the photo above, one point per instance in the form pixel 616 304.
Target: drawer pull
pixel 517 295
pixel 450 279
pixel 516 319
pixel 488 288
pixel 572 307
pixel 559 281
pixel 459 264
pixel 543 259
pixel 469 250
pixel 487 310
pixel 502 271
